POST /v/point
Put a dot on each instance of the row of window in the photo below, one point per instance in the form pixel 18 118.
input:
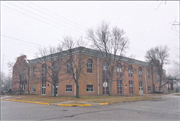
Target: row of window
pixel 90 69
pixel 90 88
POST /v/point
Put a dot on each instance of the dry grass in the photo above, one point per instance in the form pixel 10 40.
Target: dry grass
pixel 177 94
pixel 95 99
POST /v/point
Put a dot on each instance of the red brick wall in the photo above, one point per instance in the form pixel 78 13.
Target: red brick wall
pixel 90 78
pixel 18 70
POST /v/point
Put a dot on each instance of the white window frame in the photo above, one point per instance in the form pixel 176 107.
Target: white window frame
pixel 24 87
pixel 53 89
pixel 131 85
pixel 34 71
pixel 90 88
pixel 68 88
pixel 119 69
pixel 43 89
pixel 120 85
pixel 105 67
pixel 33 87
pixel 149 88
pixel 90 67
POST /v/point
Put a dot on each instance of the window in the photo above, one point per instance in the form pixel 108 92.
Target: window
pixel 43 87
pixel 56 91
pixel 131 87
pixel 89 88
pixel 105 67
pixel 55 66
pixel 34 71
pixel 24 87
pixel 119 87
pixel 55 69
pixel 43 71
pixel 119 69
pixel 69 66
pixel 68 88
pixel 33 89
pixel 89 66
pixel 149 88
pixel 130 71
pixel 140 85
pixel 148 73
pixel 24 74
pixel 106 88
pixel 140 72
pixel 156 88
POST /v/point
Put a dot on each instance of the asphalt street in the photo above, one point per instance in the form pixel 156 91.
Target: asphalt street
pixel 165 109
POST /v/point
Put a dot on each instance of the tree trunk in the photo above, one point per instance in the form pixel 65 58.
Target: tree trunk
pixel 54 89
pixel 20 88
pixel 160 76
pixel 77 90
pixel 110 87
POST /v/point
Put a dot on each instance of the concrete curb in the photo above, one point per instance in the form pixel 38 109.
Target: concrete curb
pixel 74 105
pixel 104 103
pixel 69 105
pixel 26 101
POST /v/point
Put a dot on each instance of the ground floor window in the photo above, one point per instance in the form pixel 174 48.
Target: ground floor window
pixel 89 88
pixel 149 88
pixel 119 87
pixel 68 88
pixel 24 87
pixel 33 89
pixel 131 87
pixel 106 88
pixel 43 89
pixel 156 88
pixel 56 92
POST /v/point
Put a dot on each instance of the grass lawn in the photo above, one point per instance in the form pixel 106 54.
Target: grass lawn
pixel 95 99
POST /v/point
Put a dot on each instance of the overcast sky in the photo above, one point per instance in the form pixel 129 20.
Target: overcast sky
pixel 26 26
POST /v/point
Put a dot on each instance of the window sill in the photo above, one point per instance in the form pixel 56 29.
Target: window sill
pixel 68 91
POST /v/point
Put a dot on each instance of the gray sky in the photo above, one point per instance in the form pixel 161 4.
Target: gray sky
pixel 38 24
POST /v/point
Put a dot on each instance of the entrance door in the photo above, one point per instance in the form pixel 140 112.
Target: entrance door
pixel 56 90
pixel 140 87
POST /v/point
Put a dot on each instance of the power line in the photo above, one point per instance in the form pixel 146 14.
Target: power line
pixel 37 15
pixel 51 15
pixel 36 18
pixel 22 40
pixel 59 16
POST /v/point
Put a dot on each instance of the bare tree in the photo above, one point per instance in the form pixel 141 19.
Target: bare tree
pixel 20 73
pixel 173 76
pixel 112 44
pixel 158 56
pixel 7 82
pixel 51 59
pixel 75 63
pixel 2 80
